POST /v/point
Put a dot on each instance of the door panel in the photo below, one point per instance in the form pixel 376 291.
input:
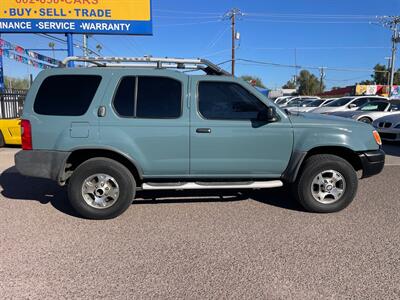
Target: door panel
pixel 234 148
pixel 160 146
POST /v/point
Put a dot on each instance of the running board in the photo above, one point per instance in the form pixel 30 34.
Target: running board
pixel 216 185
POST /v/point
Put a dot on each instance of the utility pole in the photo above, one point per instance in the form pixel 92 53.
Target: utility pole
pixel 232 14
pixel 321 80
pixel 295 66
pixel 395 40
pixel 392 23
pixel 389 65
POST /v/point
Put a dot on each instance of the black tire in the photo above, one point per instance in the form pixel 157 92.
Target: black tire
pixel 365 120
pixel 2 141
pixel 123 177
pixel 315 165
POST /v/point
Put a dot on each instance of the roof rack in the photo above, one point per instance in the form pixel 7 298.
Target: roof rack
pixel 150 62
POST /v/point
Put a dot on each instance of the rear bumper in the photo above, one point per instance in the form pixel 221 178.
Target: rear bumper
pixel 372 162
pixel 41 163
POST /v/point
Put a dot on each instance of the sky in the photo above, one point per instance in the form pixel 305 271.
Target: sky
pixel 325 33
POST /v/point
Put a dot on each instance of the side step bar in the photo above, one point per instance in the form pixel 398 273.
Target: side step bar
pixel 216 185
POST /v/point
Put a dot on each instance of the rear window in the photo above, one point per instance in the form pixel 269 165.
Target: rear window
pixel 66 95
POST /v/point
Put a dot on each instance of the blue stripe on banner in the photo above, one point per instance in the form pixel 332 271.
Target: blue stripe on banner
pixel 76 26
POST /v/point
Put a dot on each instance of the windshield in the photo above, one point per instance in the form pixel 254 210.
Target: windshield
pixel 340 102
pixel 295 102
pixel 282 101
pixel 374 106
pixel 314 103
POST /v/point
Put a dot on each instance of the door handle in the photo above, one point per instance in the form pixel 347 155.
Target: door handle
pixel 203 130
pixel 101 112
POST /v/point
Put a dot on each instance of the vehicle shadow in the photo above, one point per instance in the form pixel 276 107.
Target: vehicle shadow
pixel 278 197
pixel 18 187
pixel 392 148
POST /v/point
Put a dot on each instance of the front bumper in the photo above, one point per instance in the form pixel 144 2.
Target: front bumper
pixel 372 162
pixel 41 163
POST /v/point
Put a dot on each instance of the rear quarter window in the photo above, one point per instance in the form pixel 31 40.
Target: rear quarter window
pixel 66 95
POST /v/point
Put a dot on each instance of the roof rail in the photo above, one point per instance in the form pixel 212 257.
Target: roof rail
pixel 150 62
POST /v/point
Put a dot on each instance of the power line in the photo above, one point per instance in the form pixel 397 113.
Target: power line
pixel 187 12
pixel 317 48
pixel 258 62
pixel 219 36
pixel 59 40
pixel 187 24
pixel 187 17
pixel 308 16
pixel 305 22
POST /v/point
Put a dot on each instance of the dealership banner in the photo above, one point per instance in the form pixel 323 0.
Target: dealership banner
pixel 23 59
pixel 37 56
pixel 76 16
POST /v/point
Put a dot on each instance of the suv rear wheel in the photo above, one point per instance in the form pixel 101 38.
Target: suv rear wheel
pixel 327 184
pixel 101 188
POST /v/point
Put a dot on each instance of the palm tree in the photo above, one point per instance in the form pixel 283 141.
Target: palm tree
pixel 99 48
pixel 52 46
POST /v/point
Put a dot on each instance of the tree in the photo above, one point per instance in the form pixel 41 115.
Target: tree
pixel 309 84
pixel 289 85
pixel 381 76
pixel 99 48
pixel 16 83
pixel 253 79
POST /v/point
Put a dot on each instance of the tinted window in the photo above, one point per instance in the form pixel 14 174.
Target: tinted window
pixel 227 101
pixel 158 97
pixel 124 100
pixel 314 103
pixel 340 102
pixel 374 106
pixel 66 95
pixel 360 102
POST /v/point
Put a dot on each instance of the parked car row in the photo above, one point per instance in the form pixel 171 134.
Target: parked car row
pixel 382 113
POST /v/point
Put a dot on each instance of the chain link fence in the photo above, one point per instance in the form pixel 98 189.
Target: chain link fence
pixel 11 103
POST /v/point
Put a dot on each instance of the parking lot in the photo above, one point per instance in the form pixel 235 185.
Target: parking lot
pixel 176 245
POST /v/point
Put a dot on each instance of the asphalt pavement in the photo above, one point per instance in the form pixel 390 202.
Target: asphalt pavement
pixel 172 245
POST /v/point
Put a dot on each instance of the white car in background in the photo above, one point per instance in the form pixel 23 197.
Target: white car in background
pixel 371 111
pixel 282 100
pixel 307 106
pixel 346 104
pixel 389 127
pixel 297 101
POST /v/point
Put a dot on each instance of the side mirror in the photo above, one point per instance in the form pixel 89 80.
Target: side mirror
pixel 352 105
pixel 267 115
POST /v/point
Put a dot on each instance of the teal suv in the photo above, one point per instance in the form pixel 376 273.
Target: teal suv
pixel 125 125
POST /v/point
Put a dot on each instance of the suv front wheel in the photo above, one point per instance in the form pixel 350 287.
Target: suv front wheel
pixel 101 188
pixel 326 184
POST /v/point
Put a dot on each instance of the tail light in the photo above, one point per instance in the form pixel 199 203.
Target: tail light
pixel 26 135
